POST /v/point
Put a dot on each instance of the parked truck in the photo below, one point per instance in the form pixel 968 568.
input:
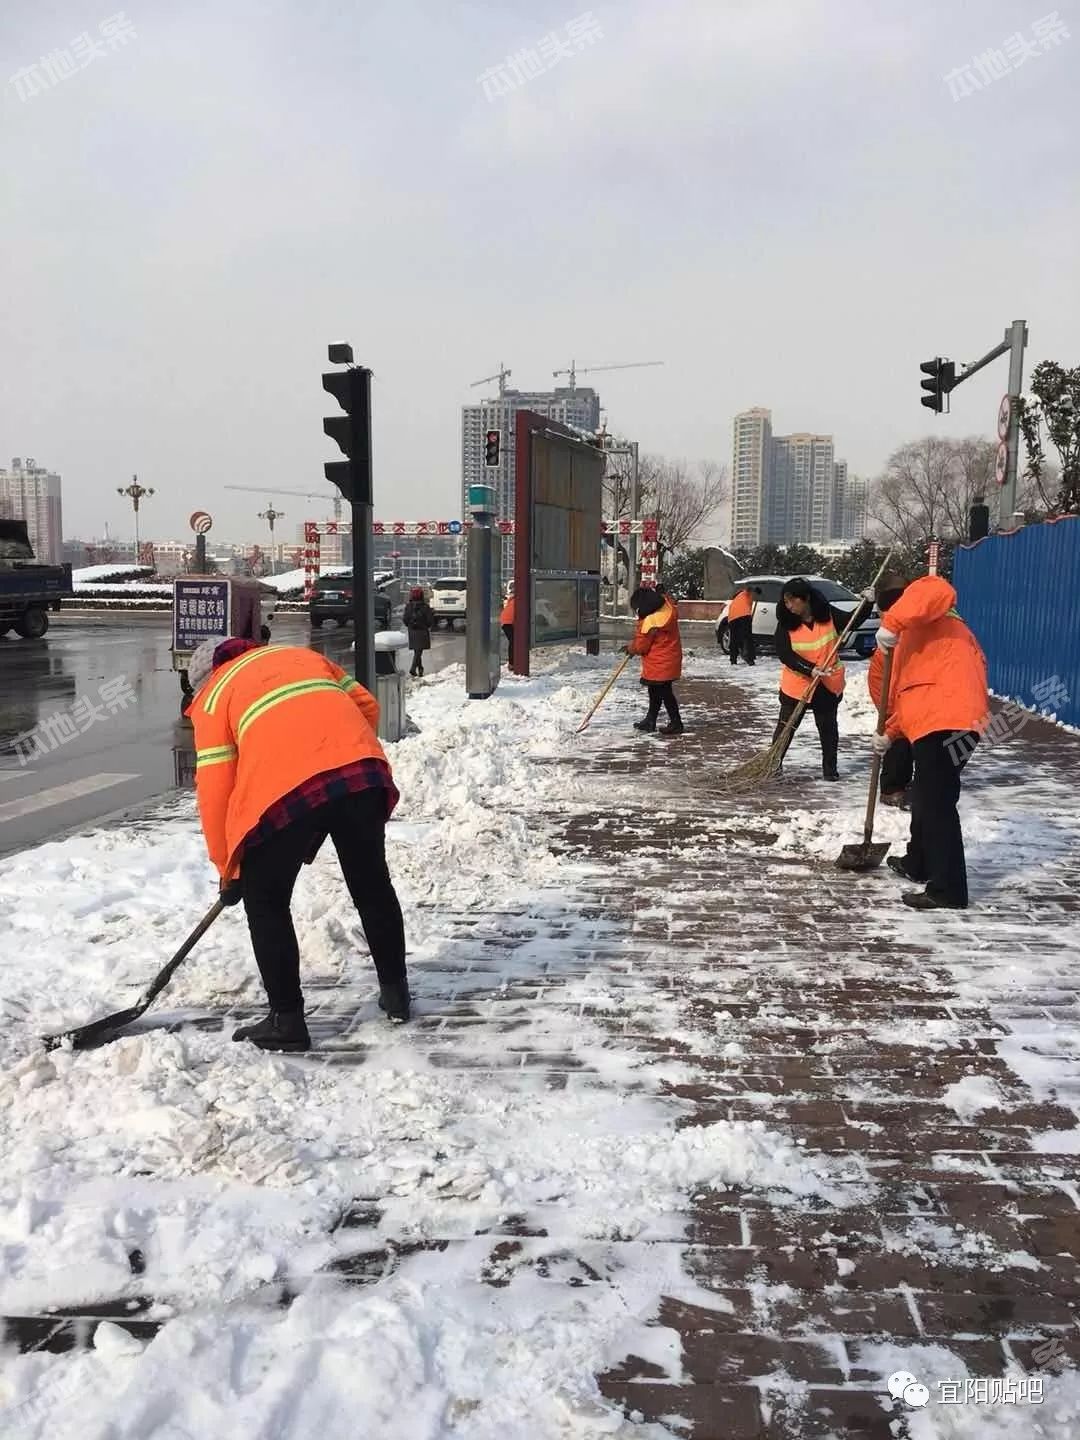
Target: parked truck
pixel 28 590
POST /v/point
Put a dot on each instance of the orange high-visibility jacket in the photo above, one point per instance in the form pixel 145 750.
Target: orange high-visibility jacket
pixel 264 723
pixel 658 642
pixel 508 612
pixel 742 603
pixel 939 671
pixel 812 642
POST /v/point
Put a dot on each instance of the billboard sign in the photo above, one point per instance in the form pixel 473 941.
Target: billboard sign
pixel 200 610
pixel 558 533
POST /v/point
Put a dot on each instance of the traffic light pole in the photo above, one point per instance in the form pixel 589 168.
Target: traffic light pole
pixel 1015 340
pixel 363 545
pixel 1017 337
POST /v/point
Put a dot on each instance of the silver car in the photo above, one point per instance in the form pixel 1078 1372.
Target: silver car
pixel 765 591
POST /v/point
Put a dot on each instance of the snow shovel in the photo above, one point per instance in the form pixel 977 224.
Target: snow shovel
pixel 100 1032
pixel 603 693
pixel 868 855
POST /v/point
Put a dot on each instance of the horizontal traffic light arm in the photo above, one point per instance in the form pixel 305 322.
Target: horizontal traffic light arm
pixel 966 374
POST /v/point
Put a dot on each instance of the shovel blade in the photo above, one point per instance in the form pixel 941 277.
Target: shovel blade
pixel 867 855
pixel 97 1032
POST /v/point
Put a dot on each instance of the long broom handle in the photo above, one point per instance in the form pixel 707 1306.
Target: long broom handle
pixel 875 766
pixel 603 693
pixel 856 619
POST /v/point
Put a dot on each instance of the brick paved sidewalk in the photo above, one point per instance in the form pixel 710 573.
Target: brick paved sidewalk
pixel 789 993
pixel 939 1257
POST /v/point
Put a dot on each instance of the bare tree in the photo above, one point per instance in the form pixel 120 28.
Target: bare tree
pixel 682 497
pixel 929 486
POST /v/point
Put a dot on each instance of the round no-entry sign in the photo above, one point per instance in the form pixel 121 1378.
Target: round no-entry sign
pixel 1004 416
pixel 1001 464
pixel 200 521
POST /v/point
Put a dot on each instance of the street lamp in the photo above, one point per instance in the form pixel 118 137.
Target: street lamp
pixel 270 515
pixel 135 492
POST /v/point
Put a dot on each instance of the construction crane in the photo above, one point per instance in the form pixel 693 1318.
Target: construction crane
pixel 590 369
pixel 499 375
pixel 334 499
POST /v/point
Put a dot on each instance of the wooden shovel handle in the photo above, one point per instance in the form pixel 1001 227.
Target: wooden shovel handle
pixel 875 768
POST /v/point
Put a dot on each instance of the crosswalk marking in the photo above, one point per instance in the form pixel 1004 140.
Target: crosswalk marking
pixel 60 795
pixel 13 774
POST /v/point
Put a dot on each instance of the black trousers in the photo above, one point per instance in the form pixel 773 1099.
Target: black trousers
pixel 935 854
pixel 417 667
pixel 662 693
pixel 824 704
pixel 741 639
pixel 268 871
pixel 508 631
pixel 897 767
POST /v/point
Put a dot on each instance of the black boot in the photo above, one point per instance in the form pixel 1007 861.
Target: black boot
pixel 898 865
pixel 281 1030
pixel 648 724
pixel 673 727
pixel 830 772
pixel 394 1001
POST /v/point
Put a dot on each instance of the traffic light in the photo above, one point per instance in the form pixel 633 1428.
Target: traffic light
pixel 491 447
pixel 352 432
pixel 941 378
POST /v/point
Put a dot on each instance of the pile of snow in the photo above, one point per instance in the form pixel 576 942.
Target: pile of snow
pixel 291 582
pixel 116 573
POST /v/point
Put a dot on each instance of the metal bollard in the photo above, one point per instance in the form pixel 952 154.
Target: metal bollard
pixel 390 684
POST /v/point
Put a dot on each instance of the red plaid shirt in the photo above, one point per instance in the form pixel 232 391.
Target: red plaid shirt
pixel 322 790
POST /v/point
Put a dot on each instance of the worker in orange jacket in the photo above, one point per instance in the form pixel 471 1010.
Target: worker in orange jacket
pixel 740 617
pixel 658 642
pixel 939 703
pixel 807 630
pixel 286 753
pixel 506 620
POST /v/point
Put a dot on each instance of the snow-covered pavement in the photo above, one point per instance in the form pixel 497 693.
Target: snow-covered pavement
pixel 689 1125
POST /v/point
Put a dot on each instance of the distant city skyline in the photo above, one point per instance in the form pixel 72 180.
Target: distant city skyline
pixel 32 492
pixel 789 489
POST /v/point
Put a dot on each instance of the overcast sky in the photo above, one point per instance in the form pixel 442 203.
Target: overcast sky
pixel 780 199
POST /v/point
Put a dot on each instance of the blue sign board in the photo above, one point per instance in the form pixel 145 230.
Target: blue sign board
pixel 200 610
pixel 454 527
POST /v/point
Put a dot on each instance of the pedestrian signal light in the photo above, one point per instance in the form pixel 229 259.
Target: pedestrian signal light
pixel 491 447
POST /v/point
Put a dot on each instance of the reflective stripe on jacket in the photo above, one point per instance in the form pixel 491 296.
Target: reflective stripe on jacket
pixel 658 642
pixel 939 670
pixel 265 723
pixel 812 643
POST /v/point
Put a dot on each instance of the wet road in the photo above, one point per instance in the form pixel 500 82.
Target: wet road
pixel 103 703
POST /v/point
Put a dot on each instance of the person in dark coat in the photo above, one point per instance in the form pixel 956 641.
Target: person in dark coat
pixel 807 629
pixel 419 619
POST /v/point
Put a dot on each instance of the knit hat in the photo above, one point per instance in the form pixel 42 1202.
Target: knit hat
pixel 889 589
pixel 202 662
pixel 416 593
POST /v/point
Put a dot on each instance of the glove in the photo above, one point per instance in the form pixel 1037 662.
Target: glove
pixel 869 595
pixel 886 639
pixel 880 743
pixel 230 892
pixel 820 674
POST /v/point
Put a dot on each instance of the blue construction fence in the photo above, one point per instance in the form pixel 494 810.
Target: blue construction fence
pixel 1020 593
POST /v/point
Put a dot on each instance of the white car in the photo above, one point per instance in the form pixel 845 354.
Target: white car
pixel 765 591
pixel 448 599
